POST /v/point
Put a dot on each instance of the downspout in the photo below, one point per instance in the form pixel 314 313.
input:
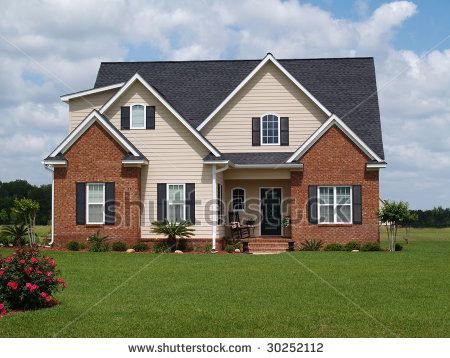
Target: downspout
pixel 53 204
pixel 214 208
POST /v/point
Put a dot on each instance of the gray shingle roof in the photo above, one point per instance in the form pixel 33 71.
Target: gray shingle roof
pixel 252 158
pixel 346 86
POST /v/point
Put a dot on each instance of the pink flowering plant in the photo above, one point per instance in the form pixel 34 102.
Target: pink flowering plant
pixel 28 280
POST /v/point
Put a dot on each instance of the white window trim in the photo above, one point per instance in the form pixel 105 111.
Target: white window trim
pixel 232 199
pixel 87 205
pixel 335 204
pixel 183 212
pixel 261 128
pixel 131 115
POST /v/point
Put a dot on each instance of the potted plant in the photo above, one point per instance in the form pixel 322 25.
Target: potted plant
pixel 286 224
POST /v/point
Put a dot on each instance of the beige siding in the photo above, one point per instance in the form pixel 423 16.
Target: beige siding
pixel 269 91
pixel 80 107
pixel 175 156
pixel 257 174
pixel 252 196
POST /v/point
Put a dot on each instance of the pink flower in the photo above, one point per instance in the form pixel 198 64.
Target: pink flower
pixel 39 272
pixel 29 269
pixel 22 262
pixel 2 306
pixel 43 294
pixel 2 272
pixel 31 286
pixel 49 274
pixel 13 285
pixel 62 282
pixel 8 260
pixel 53 263
pixel 48 299
pixel 34 260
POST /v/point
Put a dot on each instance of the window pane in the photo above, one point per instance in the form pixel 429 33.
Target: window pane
pixel 326 195
pixel 95 213
pixel 326 214
pixel 343 213
pixel 343 195
pixel 176 193
pixel 137 116
pixel 95 193
pixel 270 129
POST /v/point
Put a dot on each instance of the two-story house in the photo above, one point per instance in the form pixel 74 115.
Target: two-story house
pixel 194 140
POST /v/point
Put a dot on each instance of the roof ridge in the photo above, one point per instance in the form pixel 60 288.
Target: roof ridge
pixel 241 60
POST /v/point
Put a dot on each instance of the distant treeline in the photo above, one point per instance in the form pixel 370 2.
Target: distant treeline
pixel 22 189
pixel 436 217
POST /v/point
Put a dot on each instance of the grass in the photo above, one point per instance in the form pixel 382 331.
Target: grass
pixel 370 294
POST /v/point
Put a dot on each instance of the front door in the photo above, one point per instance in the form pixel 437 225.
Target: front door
pixel 270 211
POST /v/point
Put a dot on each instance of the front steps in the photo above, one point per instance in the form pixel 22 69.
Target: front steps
pixel 268 245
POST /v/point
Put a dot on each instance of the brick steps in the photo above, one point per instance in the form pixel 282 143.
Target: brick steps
pixel 268 245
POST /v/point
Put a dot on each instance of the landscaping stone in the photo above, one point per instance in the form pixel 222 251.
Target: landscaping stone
pixel 355 250
pixel 178 251
pixel 130 251
pixel 237 251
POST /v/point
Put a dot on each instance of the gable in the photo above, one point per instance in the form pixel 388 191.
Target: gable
pixel 169 137
pixel 269 91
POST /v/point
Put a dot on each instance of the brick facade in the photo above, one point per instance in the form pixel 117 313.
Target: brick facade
pixel 334 160
pixel 97 157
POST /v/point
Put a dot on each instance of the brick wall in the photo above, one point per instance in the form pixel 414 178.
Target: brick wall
pixel 96 157
pixel 334 160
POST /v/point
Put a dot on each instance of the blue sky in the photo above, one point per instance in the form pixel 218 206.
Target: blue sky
pixel 48 49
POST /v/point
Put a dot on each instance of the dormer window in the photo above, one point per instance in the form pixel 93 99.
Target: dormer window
pixel 270 129
pixel 137 120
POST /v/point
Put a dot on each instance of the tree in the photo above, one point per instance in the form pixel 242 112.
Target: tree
pixel 27 210
pixel 394 214
pixel 173 231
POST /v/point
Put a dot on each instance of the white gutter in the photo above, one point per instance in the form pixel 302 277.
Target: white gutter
pixel 214 209
pixel 53 204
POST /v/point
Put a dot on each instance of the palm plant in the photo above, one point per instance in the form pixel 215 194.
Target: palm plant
pixel 173 231
pixel 16 233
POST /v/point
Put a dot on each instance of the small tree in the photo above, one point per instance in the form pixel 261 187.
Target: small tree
pixel 394 214
pixel 182 230
pixel 27 209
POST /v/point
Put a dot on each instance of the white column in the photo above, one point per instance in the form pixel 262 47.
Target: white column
pixel 214 206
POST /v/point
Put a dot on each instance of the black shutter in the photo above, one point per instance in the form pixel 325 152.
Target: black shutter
pixel 190 202
pixel 284 131
pixel 256 131
pixel 161 201
pixel 110 204
pixel 312 204
pixel 80 203
pixel 357 204
pixel 125 117
pixel 150 117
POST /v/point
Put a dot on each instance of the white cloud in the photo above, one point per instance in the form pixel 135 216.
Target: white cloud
pixel 63 42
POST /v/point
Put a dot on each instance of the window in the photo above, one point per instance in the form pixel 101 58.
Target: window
pixel 220 204
pixel 95 213
pixel 175 203
pixel 137 116
pixel 270 130
pixel 335 204
pixel 238 199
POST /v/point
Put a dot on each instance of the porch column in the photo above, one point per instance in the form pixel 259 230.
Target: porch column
pixel 214 206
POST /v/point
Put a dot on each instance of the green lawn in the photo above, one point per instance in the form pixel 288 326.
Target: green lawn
pixel 305 294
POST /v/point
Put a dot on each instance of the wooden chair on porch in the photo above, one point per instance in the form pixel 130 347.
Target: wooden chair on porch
pixel 237 229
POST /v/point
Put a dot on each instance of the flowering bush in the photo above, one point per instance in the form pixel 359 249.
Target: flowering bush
pixel 28 280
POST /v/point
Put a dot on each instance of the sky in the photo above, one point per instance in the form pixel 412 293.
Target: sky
pixel 50 48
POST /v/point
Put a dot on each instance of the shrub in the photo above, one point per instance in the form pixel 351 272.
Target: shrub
pixel 98 242
pixel 352 245
pixel 208 247
pixel 173 231
pixel 28 280
pixel 335 246
pixel 15 234
pixel 140 247
pixel 160 247
pixel 370 246
pixel 231 247
pixel 119 246
pixel 311 245
pixel 398 247
pixel 73 246
pixel 182 244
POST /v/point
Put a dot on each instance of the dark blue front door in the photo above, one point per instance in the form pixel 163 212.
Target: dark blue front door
pixel 270 211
